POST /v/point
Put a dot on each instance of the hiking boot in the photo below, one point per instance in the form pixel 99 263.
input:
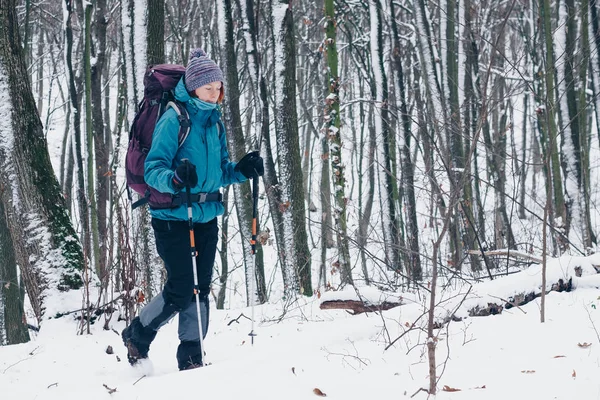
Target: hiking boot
pixel 188 355
pixel 192 366
pixel 137 339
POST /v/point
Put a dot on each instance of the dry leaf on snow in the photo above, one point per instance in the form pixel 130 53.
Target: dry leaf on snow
pixel 574 374
pixel 559 356
pixel 584 345
pixel 318 392
pixel 450 389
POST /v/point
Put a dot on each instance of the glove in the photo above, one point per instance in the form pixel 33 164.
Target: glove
pixel 251 165
pixel 185 175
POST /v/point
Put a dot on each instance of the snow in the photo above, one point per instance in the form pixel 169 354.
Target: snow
pixel 300 349
pixel 7 140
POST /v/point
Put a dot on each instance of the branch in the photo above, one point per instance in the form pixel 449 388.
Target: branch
pixel 357 306
pixel 508 253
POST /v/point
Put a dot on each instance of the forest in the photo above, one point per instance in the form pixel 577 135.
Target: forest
pixel 407 144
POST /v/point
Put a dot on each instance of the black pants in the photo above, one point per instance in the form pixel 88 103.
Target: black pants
pixel 173 245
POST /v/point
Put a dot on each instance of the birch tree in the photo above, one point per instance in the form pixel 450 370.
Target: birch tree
pixel 332 130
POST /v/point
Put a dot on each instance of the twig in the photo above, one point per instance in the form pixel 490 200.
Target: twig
pixel 111 390
pixel 20 361
pixel 91 307
pixel 52 384
pixel 141 377
pixel 238 319
pixel 420 390
pixel 593 324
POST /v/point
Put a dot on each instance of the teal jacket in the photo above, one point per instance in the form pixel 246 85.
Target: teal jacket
pixel 205 147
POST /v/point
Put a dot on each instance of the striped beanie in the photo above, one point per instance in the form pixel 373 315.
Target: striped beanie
pixel 201 70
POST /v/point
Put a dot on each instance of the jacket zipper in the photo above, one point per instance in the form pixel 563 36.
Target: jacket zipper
pixel 205 142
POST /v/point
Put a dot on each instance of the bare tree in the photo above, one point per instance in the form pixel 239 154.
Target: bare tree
pixel 297 267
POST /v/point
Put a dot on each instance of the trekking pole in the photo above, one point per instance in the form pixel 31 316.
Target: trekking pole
pixel 253 243
pixel 193 253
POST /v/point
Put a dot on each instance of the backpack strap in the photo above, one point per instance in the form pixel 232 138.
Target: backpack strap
pixel 183 117
pixel 220 128
pixel 185 127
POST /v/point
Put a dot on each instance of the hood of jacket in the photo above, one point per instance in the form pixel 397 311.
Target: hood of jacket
pixel 202 112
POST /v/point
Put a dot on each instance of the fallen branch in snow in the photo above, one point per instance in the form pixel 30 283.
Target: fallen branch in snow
pixel 110 390
pixel 517 300
pixel 510 302
pixel 508 253
pixel 31 353
pixel 97 310
pixel 238 319
pixel 357 306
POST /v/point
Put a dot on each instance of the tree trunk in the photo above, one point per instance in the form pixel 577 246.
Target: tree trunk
pixel 469 203
pixel 297 267
pixel 332 118
pixel 73 77
pixel 94 256
pixel 254 278
pixel 414 270
pixel 43 240
pixel 551 136
pixel 589 237
pixel 13 317
pixel 101 139
pixel 387 144
pixel 155 36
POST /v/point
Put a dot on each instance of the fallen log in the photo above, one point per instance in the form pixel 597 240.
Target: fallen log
pixel 357 306
pixel 518 300
pixel 507 253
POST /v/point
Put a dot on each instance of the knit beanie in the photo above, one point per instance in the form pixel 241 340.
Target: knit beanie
pixel 201 70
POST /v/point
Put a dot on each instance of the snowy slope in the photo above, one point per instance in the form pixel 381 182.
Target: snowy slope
pixel 303 348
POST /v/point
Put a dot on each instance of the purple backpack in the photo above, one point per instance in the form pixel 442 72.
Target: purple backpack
pixel 159 83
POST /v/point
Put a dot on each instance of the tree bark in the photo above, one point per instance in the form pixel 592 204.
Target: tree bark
pixel 155 35
pixel 414 270
pixel 12 318
pixel 297 267
pixel 332 125
pixel 43 240
pixel 551 142
pixel 101 139
pixel 243 194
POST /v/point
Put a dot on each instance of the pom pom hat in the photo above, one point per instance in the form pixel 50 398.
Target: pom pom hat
pixel 201 71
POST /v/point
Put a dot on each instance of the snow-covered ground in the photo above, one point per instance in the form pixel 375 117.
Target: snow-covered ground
pixel 300 350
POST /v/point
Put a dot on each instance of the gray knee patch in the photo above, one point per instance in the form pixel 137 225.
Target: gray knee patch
pixel 158 312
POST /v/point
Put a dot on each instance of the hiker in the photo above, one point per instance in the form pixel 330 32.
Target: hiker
pixel 167 170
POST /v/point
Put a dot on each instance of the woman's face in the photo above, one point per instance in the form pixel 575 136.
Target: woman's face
pixel 209 92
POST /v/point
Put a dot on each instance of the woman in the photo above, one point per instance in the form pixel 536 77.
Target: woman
pixel 208 169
